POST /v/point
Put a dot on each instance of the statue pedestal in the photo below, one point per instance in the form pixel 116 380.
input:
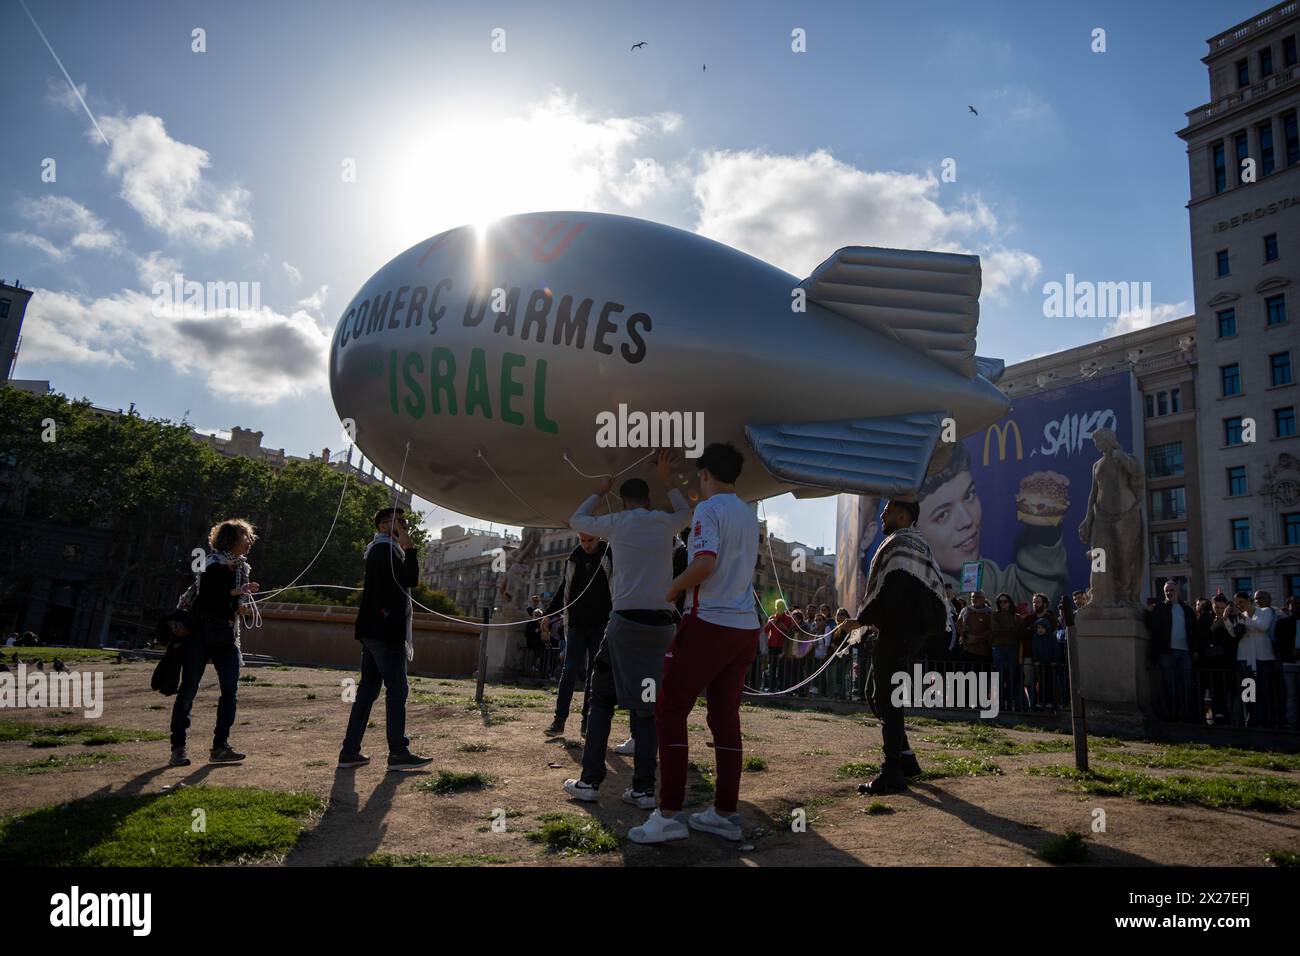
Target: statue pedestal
pixel 1112 667
pixel 501 645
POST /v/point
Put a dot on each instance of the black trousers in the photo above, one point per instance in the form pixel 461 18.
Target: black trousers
pixel 893 653
pixel 604 698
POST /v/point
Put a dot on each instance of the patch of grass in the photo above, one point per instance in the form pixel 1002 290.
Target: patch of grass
pixel 56 763
pixel 1247 792
pixel 1199 756
pixel 753 738
pixel 1283 857
pixel 696 728
pixel 248 678
pixel 69 655
pixel 857 771
pixel 701 784
pixel 875 808
pixel 987 740
pixel 570 835
pixel 56 735
pixel 1069 848
pixel 819 752
pixel 470 747
pixel 945 766
pixel 754 764
pixel 814 808
pixel 156 829
pixel 454 781
pixel 430 859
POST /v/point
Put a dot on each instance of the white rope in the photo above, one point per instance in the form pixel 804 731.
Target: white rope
pixel 779 590
pixel 830 658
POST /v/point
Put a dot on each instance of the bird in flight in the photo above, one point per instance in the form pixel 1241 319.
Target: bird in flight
pixel 706 66
pixel 636 46
pixel 973 110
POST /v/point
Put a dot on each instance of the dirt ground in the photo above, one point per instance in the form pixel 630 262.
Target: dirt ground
pixel 292 735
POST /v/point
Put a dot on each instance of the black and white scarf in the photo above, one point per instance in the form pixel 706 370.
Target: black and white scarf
pixel 906 550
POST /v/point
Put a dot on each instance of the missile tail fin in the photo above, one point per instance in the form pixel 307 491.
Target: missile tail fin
pixel 875 456
pixel 929 301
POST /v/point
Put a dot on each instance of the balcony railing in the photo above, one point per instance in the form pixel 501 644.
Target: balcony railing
pixel 1222 105
pixel 1229 37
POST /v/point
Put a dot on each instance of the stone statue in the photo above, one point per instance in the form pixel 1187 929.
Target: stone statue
pixel 514 586
pixel 1114 524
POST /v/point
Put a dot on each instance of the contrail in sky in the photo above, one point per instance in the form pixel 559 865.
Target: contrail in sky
pixel 76 92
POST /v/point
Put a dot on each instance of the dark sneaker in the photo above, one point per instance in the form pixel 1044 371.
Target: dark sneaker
pixel 179 758
pixel 890 781
pixel 348 761
pixel 407 761
pixel 909 767
pixel 226 754
pixel 556 728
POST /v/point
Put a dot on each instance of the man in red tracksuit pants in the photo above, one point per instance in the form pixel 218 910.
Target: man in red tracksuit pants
pixel 713 648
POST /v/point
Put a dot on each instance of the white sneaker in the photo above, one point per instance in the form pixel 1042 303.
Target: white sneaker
pixel 583 791
pixel 626 747
pixel 659 829
pixel 642 801
pixel 710 821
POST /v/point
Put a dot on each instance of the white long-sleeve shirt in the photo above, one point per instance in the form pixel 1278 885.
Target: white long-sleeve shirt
pixel 1257 645
pixel 643 549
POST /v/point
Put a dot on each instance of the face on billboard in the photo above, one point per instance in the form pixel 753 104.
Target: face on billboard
pixel 950 522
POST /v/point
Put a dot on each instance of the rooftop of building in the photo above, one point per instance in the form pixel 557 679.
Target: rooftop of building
pixel 1250 28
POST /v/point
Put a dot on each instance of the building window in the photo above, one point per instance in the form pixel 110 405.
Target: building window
pixel 1242 146
pixel 1291 137
pixel 1279 368
pixel 1165 461
pixel 1222 258
pixel 1291 528
pixel 1243 73
pixel 1169 547
pixel 1151 406
pixel 1266 61
pixel 1230 380
pixel 1292 585
pixel 1270 247
pixel 1220 164
pixel 1227 323
pixel 1240 534
pixel 1232 430
pixel 1275 309
pixel 1288 59
pixel 4 308
pixel 1266 161
pixel 1168 504
pixel 1284 422
pixel 1243 584
pixel 1237 481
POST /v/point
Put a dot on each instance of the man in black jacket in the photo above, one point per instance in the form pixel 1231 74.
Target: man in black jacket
pixel 384 630
pixel 904 590
pixel 589 603
pixel 1172 626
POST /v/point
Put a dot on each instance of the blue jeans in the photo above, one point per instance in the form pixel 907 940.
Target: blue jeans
pixel 382 662
pixel 1176 681
pixel 580 651
pixel 1005 659
pixel 225 661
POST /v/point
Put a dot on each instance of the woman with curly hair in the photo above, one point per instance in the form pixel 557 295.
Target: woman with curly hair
pixel 221 592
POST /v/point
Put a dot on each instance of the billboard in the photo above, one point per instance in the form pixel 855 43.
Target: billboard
pixel 1005 510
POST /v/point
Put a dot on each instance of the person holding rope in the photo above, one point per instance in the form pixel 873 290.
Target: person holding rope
pixel 905 603
pixel 628 668
pixel 217 601
pixel 384 629
pixel 714 647
pixel 586 614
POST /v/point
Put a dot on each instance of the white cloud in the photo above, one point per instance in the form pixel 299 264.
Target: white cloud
pixel 294 275
pixel 75 226
pixel 37 242
pixel 156 267
pixel 256 356
pixel 778 525
pixel 794 211
pixel 60 94
pixel 1160 312
pixel 162 180
pixel 316 301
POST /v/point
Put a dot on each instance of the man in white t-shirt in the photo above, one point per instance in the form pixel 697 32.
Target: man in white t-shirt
pixel 713 648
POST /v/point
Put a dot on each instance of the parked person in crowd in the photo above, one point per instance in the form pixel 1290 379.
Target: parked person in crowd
pixel 1228 630
pixel 12 640
pixel 905 603
pixel 778 629
pixel 823 627
pixel 1080 599
pixel 1284 643
pixel 1038 641
pixel 629 667
pixel 585 597
pixel 1172 629
pixel 976 623
pixel 534 638
pixel 29 639
pixel 713 648
pixel 837 636
pixel 1005 641
pixel 798 655
pixel 1215 656
pixel 219 593
pixel 1255 651
pixel 384 629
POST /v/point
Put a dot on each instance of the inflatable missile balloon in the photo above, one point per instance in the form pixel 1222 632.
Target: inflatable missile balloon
pixel 492 369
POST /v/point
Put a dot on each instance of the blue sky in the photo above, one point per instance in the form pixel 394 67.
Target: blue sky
pixel 226 165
